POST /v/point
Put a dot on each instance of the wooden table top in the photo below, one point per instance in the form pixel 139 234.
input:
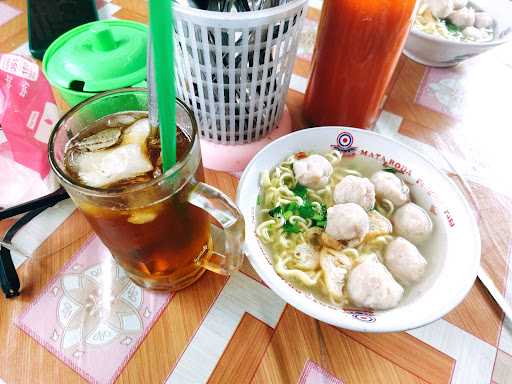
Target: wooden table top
pixel 459 114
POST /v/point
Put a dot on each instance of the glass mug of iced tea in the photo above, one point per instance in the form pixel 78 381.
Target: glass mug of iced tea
pixel 157 227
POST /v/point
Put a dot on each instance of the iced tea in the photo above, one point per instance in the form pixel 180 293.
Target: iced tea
pixel 147 223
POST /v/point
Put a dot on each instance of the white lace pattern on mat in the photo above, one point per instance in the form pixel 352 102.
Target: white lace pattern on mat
pixel 95 310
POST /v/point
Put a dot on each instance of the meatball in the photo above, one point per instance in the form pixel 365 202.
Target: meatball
pixel 346 222
pixel 483 20
pixel 440 8
pixel 464 17
pixel 390 187
pixel 412 222
pixel 404 261
pixel 371 285
pixel 458 4
pixel 353 189
pixel 313 171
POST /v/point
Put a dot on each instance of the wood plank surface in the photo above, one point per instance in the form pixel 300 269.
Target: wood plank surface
pixel 299 338
pixel 243 353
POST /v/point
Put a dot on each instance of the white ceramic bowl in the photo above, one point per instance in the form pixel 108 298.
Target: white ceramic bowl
pixel 453 251
pixel 439 52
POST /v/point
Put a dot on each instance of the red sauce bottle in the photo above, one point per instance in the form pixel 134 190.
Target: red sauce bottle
pixel 357 48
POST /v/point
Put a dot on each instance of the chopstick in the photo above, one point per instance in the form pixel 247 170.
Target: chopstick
pixel 41 202
pixel 495 293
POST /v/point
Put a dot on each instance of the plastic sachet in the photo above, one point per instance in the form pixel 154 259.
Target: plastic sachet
pixel 28 113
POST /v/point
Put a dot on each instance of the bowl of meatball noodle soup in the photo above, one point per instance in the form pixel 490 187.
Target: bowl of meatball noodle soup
pixel 358 230
pixel 446 33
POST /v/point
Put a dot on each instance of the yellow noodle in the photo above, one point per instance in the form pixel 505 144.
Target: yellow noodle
pixel 386 208
pixel 334 157
pixel 302 276
pixel 262 230
pixel 276 190
pixel 352 172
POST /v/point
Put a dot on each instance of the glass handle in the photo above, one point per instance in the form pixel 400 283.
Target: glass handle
pixel 222 209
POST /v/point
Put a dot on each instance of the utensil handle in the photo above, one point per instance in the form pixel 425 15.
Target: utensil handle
pixel 221 207
pixel 152 101
pixel 495 293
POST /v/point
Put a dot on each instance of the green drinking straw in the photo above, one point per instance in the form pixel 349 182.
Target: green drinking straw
pixel 161 29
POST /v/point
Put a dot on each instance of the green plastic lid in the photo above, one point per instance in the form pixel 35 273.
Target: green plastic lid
pixel 98 56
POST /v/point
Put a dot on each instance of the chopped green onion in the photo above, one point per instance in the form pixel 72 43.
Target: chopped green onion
pixel 276 211
pixel 318 217
pixel 287 215
pixel 307 210
pixel 292 228
pixel 450 26
pixel 390 170
pixel 321 223
pixel 291 206
pixel 300 191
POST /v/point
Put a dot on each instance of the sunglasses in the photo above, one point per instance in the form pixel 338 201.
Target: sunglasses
pixel 9 280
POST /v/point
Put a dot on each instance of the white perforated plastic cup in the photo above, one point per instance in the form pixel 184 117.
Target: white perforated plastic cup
pixel 234 69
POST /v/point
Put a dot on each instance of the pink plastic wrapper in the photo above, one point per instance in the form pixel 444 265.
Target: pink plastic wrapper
pixel 27 115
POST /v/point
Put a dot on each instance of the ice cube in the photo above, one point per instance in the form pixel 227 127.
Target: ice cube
pixel 97 211
pixel 101 140
pixel 101 168
pixel 73 159
pixel 138 132
pixel 117 120
pixel 143 215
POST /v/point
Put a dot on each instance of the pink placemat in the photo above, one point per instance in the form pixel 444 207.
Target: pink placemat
pixel 312 373
pixel 91 316
pixel 234 158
